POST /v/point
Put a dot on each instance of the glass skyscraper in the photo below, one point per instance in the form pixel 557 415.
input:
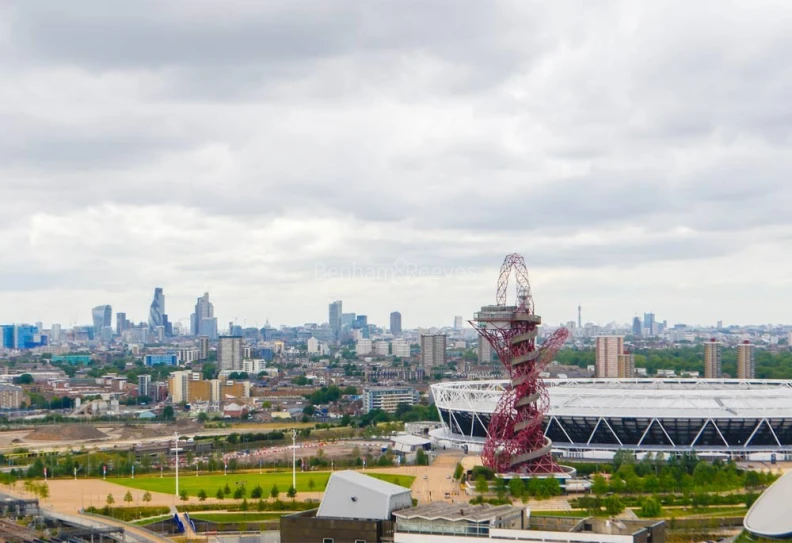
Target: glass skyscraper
pixel 157 309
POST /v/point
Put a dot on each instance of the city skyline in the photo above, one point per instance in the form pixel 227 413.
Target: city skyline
pixel 266 152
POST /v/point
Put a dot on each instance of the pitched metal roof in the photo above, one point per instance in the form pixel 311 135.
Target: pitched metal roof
pixel 350 494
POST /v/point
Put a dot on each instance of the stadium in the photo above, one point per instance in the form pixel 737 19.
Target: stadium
pixel 593 418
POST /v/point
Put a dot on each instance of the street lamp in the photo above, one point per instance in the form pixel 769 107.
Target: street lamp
pixel 294 459
pixel 176 437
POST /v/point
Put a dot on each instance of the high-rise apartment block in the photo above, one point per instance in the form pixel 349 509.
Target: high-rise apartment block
pixel 395 323
pixel 458 322
pixel 229 353
pixel 626 366
pixel 608 349
pixel 400 348
pixel 388 398
pixel 433 350
pixel 484 351
pixel 746 364
pixel 203 347
pixel 363 347
pixel 144 386
pixel 712 359
pixel 334 319
pixel 11 396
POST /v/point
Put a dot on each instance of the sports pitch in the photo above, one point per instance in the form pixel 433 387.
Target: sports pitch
pixel 210 483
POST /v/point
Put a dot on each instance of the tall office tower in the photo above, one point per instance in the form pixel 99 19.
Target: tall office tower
pixel 649 324
pixel 433 350
pixel 229 353
pixel 636 328
pixel 626 366
pixel 720 325
pixel 395 323
pixel 607 355
pixel 580 317
pixel 55 333
pixel 122 324
pixel 458 323
pixel 348 321
pixel 203 347
pixel 144 385
pixel 484 351
pixel 712 359
pixel 746 365
pixel 208 327
pixel 204 309
pixel 102 316
pixel 157 309
pixel 334 319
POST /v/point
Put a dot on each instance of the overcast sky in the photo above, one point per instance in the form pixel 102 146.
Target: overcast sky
pixel 636 153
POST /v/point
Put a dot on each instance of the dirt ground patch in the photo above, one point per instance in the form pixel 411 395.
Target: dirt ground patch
pixel 65 432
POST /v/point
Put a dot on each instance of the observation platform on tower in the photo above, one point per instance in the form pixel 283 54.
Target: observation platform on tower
pixel 504 314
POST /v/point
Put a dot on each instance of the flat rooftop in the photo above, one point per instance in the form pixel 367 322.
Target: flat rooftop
pixel 458 512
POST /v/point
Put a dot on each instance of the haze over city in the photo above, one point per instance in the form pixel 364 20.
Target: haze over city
pixel 638 160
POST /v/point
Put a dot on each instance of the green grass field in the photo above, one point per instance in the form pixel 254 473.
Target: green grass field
pixel 152 520
pixel 210 483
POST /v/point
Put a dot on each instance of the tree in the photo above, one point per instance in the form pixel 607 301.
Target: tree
pixel 168 413
pixel 421 458
pixel 650 507
pixel 226 489
pixel 274 492
pixel 257 492
pixel 613 505
pixel 183 495
pixel 128 497
pixel 459 471
pixel 292 492
pixel 599 485
pixel 482 486
pixel 220 494
pixel 147 497
pixel 110 500
pixel 311 484
pixel 24 379
pixel 501 487
pixel 516 487
pixel 44 491
pixel 244 505
pixel 239 493
pixel 203 417
pixel 202 495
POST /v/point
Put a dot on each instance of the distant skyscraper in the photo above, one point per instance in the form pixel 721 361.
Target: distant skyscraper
pixel 55 333
pixel 433 350
pixel 636 328
pixel 649 324
pixel 229 353
pixel 712 359
pixel 157 309
pixel 608 349
pixel 334 318
pixel 121 323
pixel 208 327
pixel 458 322
pixel 102 316
pixel 580 317
pixel 395 323
pixel 746 368
pixel 204 309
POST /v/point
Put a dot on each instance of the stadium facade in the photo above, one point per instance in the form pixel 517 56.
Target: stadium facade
pixel 593 418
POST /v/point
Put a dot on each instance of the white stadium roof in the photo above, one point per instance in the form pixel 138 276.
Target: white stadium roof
pixel 769 515
pixel 682 398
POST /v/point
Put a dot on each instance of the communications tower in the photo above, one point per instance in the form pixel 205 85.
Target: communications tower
pixel 516 442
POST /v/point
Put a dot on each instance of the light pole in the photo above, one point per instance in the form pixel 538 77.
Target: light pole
pixel 176 436
pixel 294 459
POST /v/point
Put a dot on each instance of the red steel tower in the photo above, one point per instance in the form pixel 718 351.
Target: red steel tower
pixel 516 442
